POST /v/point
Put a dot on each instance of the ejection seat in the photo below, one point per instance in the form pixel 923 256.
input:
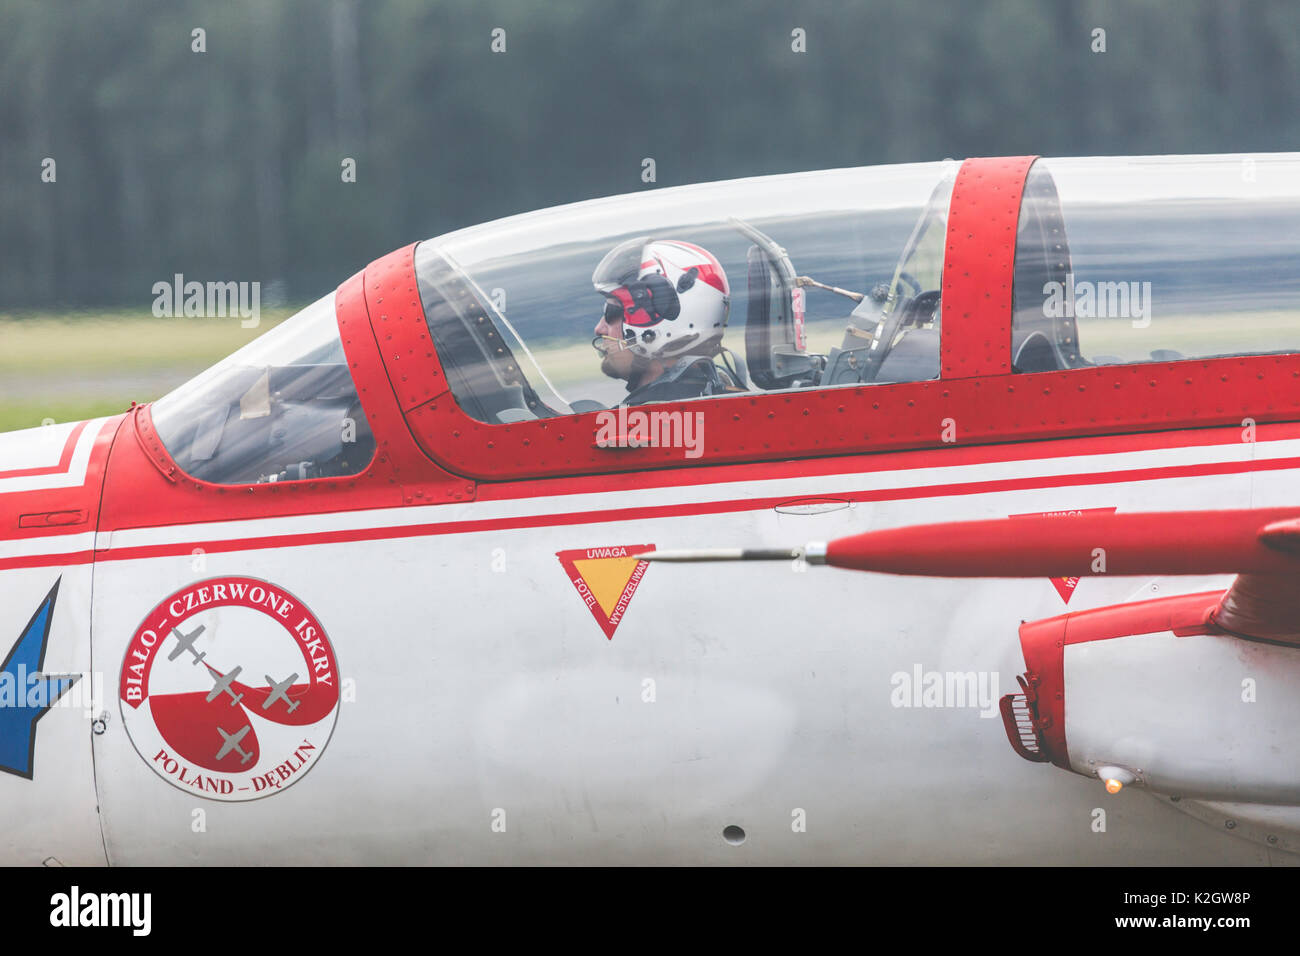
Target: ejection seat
pixel 774 352
pixel 1041 341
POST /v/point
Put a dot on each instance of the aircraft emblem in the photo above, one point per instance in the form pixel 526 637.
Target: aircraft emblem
pixel 199 720
pixel 26 694
pixel 606 579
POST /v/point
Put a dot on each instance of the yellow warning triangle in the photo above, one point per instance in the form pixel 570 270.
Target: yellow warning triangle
pixel 607 577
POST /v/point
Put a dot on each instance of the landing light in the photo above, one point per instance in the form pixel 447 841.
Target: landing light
pixel 1115 778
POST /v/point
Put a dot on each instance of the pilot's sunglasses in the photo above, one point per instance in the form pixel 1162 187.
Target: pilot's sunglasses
pixel 613 311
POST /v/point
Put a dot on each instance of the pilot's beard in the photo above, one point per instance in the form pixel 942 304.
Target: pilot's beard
pixel 632 374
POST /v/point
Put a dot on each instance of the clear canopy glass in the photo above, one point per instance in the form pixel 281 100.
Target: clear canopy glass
pixel 828 274
pixel 1149 259
pixel 282 408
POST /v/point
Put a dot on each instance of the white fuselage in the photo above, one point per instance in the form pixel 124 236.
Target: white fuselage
pixel 485 717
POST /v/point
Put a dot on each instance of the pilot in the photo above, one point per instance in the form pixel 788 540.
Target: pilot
pixel 666 305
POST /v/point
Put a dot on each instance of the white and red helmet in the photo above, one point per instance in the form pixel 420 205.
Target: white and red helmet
pixel 671 296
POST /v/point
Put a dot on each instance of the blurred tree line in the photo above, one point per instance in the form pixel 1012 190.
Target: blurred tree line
pixel 227 164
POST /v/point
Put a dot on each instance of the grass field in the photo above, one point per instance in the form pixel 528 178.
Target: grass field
pixel 70 367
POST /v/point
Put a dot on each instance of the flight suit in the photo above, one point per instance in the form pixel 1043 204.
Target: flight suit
pixel 692 376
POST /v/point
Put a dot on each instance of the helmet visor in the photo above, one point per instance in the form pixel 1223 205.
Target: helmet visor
pixel 620 264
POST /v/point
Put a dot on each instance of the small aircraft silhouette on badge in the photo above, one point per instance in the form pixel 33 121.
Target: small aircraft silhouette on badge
pixel 185 642
pixel 232 743
pixel 278 689
pixel 221 685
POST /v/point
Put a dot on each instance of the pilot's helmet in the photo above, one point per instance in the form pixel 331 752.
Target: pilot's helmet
pixel 671 296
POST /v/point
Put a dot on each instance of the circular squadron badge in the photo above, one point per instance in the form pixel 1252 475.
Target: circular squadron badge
pixel 230 689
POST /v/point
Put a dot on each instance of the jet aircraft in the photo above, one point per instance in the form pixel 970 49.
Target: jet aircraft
pixel 1043 414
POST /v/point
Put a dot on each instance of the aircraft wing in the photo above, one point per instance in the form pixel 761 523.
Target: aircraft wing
pixel 1261 546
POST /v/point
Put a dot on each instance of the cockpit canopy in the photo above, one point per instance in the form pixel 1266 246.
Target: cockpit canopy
pixel 832 279
pixel 812 261
pixel 836 277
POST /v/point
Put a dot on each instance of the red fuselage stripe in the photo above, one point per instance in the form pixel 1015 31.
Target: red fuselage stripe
pixel 650 512
pixel 65 459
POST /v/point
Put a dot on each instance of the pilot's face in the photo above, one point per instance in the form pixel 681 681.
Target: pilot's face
pixel 617 361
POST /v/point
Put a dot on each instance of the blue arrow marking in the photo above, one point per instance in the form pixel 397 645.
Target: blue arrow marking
pixel 25 694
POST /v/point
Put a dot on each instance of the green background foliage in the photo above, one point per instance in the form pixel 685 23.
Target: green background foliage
pixel 225 165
